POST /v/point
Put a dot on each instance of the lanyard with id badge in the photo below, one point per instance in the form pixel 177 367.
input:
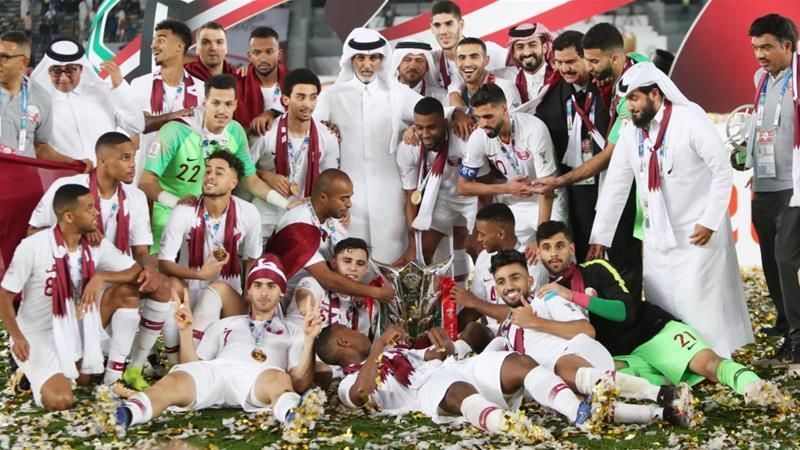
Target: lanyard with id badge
pixel 588 122
pixel 765 137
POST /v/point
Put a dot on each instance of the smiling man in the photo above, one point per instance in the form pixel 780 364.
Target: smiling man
pixel 175 162
pixel 292 154
pixel 529 53
pixel 473 61
pixel 260 88
pixel 676 157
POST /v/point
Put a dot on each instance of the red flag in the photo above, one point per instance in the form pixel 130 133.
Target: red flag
pixel 25 180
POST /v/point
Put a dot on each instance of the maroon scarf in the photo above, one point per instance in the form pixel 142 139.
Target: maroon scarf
pixel 251 100
pixel 392 362
pixel 62 291
pixel 522 83
pixel 574 277
pixel 443 69
pixel 438 163
pixel 197 240
pixel 122 241
pixel 335 305
pixel 200 71
pixel 282 153
pixel 653 172
pixel 157 93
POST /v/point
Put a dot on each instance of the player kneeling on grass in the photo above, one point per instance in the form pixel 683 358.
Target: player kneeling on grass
pixel 70 291
pixel 254 361
pixel 646 340
pixel 486 389
pixel 558 336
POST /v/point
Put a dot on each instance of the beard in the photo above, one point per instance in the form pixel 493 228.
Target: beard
pixel 534 64
pixel 606 73
pixel 494 131
pixel 646 115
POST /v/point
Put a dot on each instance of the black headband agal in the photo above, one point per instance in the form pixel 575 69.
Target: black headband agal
pixel 364 46
pixel 413 46
pixel 65 50
pixel 522 32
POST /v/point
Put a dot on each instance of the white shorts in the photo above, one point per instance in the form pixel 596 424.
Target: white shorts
pixel 448 214
pixel 42 363
pixel 587 348
pixel 481 371
pixel 224 383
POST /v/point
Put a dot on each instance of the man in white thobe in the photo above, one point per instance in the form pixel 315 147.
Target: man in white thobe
pixel 366 105
pixel 413 66
pixel 85 107
pixel 675 155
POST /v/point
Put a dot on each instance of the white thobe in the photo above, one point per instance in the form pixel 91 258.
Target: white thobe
pixel 699 285
pixel 88 112
pixel 367 116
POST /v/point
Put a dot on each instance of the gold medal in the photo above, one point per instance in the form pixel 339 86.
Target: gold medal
pixel 219 253
pixel 416 197
pixel 258 355
pixel 295 188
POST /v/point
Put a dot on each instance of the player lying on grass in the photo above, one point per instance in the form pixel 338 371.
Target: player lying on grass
pixel 255 361
pixel 644 339
pixel 486 389
pixel 556 334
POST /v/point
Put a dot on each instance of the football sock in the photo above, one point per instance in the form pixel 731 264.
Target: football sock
pixel 153 316
pixel 482 413
pixel 735 375
pixel 207 310
pixel 551 391
pixel 124 324
pixel 284 404
pixel 140 407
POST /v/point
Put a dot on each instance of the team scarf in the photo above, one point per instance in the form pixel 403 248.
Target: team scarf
pixel 197 240
pixel 517 343
pixel 431 190
pixel 282 153
pixel 335 307
pixel 121 241
pixel 465 91
pixel 573 276
pixel 66 329
pixel 663 237
pixel 550 81
pixel 200 71
pixel 157 93
pixel 443 69
pixel 522 83
pixel 251 100
pixel 392 362
pixel 572 157
pixel 796 100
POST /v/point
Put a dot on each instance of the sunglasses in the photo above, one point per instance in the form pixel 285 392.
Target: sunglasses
pixel 69 69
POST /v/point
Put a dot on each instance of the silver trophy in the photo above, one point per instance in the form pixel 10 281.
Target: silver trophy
pixel 417 305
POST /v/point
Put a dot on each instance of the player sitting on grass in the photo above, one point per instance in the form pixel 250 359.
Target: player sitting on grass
pixel 646 340
pixel 558 336
pixel 255 361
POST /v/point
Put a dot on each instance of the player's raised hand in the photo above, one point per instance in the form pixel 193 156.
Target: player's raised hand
pixel 410 136
pixel 524 316
pixel 312 322
pixel 212 266
pixel 462 296
pixel 462 124
pixel 393 335
pixel 183 313
pixel 441 342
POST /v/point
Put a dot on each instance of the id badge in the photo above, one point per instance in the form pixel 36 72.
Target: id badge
pixel 586 154
pixel 765 153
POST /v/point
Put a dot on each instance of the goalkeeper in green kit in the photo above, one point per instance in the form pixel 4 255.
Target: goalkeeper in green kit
pixel 175 165
pixel 646 341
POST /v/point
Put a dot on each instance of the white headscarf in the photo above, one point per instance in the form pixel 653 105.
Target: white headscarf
pixel 421 48
pixel 62 52
pixel 367 42
pixel 647 74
